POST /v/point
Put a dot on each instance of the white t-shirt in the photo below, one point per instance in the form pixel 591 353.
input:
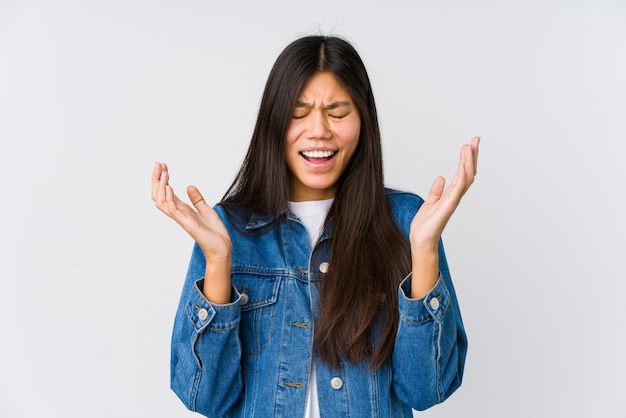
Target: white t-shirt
pixel 312 214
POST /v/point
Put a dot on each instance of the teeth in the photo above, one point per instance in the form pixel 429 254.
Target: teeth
pixel 317 154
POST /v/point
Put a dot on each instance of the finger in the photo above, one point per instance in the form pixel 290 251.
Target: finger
pixel 203 208
pixel 472 161
pixel 469 152
pixel 176 208
pixel 458 183
pixel 435 190
pixel 169 198
pixel 156 179
pixel 163 181
pixel 196 198
pixel 472 154
pixel 467 169
pixel 475 144
pixel 156 174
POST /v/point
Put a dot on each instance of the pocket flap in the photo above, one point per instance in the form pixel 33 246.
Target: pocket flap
pixel 262 290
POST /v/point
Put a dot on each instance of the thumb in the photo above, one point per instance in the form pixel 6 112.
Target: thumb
pixel 196 198
pixel 435 190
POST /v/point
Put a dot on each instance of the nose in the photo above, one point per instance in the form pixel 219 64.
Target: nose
pixel 318 127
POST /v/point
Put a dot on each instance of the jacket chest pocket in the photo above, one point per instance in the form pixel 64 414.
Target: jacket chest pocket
pixel 259 294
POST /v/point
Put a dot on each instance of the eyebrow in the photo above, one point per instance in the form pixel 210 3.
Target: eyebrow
pixel 331 106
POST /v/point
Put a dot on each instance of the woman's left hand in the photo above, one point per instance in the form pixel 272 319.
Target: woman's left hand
pixel 432 217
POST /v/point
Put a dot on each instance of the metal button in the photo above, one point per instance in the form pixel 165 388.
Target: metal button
pixel 244 299
pixel 203 314
pixel 336 383
pixel 434 303
pixel 324 267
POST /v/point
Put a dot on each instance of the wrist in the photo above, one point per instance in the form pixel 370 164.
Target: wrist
pixel 425 251
pixel 217 281
pixel 425 272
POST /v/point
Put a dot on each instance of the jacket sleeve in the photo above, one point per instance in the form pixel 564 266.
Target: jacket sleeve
pixel 429 353
pixel 206 350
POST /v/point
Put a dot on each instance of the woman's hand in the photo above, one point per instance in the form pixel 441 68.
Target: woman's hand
pixel 204 226
pixel 432 217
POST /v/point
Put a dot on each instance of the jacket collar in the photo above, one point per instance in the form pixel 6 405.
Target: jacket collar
pixel 259 221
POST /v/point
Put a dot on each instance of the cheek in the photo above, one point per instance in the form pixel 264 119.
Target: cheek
pixel 290 141
pixel 293 133
pixel 290 153
pixel 350 135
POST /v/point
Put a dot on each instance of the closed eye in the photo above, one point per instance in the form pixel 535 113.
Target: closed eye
pixel 301 113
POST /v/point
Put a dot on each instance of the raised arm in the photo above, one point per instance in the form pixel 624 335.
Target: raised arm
pixel 431 344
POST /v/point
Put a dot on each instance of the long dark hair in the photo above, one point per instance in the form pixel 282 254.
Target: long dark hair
pixel 369 254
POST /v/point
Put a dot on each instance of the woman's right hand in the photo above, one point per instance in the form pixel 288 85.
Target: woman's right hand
pixel 204 226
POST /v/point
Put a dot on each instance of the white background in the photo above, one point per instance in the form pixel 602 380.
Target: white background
pixel 92 93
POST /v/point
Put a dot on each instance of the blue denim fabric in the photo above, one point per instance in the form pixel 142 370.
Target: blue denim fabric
pixel 252 357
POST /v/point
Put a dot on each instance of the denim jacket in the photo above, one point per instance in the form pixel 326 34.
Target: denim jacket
pixel 252 356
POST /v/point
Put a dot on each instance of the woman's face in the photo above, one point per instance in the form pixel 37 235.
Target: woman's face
pixel 321 138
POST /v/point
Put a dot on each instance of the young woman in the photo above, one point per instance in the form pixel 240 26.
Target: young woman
pixel 312 290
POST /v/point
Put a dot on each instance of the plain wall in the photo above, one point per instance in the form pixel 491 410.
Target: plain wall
pixel 92 93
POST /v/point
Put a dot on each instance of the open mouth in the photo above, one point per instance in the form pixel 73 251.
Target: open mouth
pixel 317 155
